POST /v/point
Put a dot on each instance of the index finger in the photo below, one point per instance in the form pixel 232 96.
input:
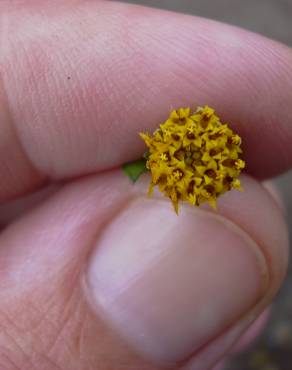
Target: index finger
pixel 79 81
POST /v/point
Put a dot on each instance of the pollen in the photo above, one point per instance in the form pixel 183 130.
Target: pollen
pixel 194 157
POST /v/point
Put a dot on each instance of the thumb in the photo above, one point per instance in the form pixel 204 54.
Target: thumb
pixel 186 287
pixel 99 276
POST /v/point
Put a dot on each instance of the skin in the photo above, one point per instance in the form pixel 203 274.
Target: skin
pixel 69 116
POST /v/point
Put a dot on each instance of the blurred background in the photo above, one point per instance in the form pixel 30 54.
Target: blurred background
pixel 273 18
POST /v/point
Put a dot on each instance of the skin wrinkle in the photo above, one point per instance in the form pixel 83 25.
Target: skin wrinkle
pixel 64 332
pixel 63 337
pixel 46 363
pixel 32 330
pixel 66 323
pixel 7 363
pixel 16 350
pixel 80 341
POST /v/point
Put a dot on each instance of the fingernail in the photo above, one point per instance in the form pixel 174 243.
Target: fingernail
pixel 168 284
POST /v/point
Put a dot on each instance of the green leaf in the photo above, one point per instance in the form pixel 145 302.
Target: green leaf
pixel 135 169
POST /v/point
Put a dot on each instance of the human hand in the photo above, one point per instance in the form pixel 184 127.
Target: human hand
pixel 96 275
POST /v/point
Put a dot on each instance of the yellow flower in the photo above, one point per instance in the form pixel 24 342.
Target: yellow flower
pixel 194 157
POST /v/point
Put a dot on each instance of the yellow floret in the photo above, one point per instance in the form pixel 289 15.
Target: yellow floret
pixel 193 157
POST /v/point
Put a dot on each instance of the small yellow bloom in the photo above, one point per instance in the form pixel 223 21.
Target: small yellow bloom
pixel 193 157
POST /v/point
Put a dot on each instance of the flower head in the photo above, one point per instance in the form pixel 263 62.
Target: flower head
pixel 194 157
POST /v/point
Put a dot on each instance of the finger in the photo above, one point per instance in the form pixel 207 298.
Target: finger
pixel 80 82
pixel 99 278
pixel 10 211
